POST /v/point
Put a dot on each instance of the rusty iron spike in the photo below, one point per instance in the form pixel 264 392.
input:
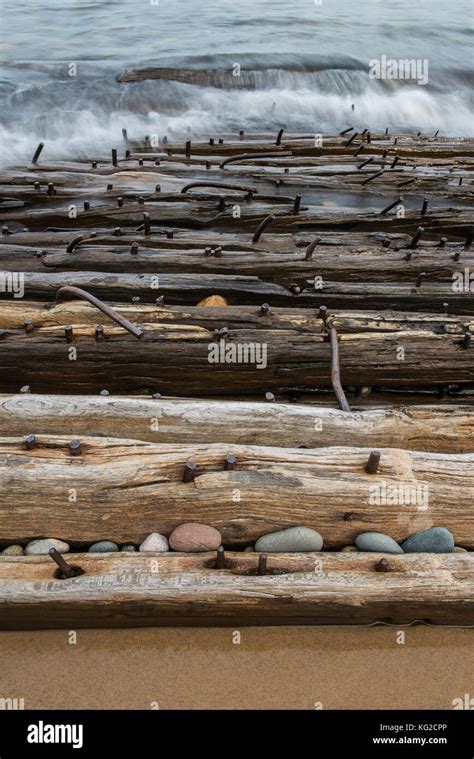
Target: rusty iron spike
pixel 189 471
pixel 251 156
pixel 64 567
pixel 78 292
pixel 220 558
pixel 262 564
pixel 373 463
pixel 311 248
pixel 263 224
pixel 222 185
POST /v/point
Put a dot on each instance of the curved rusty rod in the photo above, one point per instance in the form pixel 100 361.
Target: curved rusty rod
pixel 223 185
pixel 250 156
pixel 78 292
pixel 335 371
pixel 263 224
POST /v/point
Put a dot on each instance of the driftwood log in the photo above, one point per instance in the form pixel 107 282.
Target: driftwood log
pixel 398 350
pixel 122 590
pixel 124 490
pixel 440 429
pixel 335 263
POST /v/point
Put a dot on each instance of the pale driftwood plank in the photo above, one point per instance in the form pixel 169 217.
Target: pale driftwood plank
pixel 318 589
pixel 439 428
pixel 127 489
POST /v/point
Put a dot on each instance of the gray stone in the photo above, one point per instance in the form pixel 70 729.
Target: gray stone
pixel 103 546
pixel 378 542
pixel 249 549
pixel 434 540
pixel 350 549
pixel 456 549
pixel 290 540
pixel 14 550
pixel 41 547
pixel 128 549
pixel 155 542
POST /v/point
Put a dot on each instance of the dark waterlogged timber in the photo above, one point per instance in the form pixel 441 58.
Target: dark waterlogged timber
pixel 221 351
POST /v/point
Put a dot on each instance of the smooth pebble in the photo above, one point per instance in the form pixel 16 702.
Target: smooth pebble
pixel 155 542
pixel 103 546
pixel 290 540
pixel 434 540
pixel 41 547
pixel 193 537
pixel 377 541
pixel 14 550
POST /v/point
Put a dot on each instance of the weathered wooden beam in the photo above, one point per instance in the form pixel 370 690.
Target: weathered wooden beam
pixel 206 214
pixel 439 428
pixel 185 351
pixel 132 590
pixel 230 240
pixel 126 489
pixel 190 288
pixel 341 263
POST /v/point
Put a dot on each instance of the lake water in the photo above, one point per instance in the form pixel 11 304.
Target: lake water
pixel 311 64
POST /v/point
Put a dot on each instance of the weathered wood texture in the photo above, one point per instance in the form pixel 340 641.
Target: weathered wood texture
pixel 189 289
pixel 127 489
pixel 173 356
pixel 316 589
pixel 206 214
pixel 335 263
pixel 440 429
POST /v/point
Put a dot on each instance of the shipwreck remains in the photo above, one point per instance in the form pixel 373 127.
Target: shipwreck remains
pixel 253 332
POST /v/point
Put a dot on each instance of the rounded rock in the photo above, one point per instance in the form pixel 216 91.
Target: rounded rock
pixel 350 549
pixel 103 546
pixel 214 300
pixel 434 540
pixel 155 542
pixel 192 537
pixel 377 542
pixel 14 550
pixel 456 549
pixel 41 547
pixel 290 540
pixel 128 549
pixel 249 549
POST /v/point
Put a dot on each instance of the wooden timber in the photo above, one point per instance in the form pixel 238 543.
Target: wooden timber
pixel 136 590
pixel 439 428
pixel 335 263
pixel 173 356
pixel 184 289
pixel 127 489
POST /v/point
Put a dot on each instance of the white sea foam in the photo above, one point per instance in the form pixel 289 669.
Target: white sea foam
pixel 203 112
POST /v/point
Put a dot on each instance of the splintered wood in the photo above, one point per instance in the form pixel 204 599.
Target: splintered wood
pixel 300 306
